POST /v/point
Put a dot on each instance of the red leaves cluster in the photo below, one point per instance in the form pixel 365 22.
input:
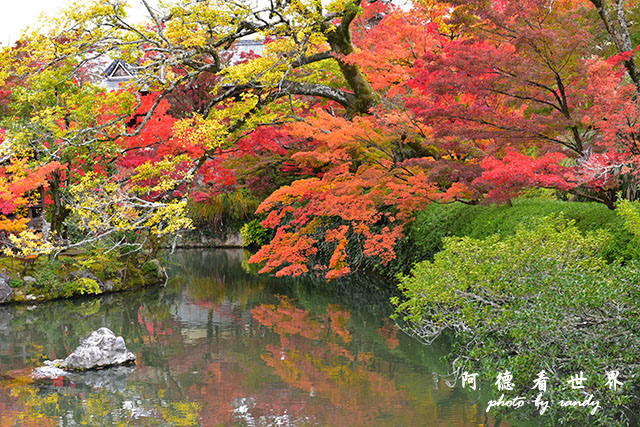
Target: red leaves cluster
pixel 504 179
pixel 615 116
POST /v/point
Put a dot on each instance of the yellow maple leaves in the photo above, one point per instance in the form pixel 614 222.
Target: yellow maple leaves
pixel 104 207
pixel 27 243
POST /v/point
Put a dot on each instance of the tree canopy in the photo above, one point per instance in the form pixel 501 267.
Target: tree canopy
pixel 352 116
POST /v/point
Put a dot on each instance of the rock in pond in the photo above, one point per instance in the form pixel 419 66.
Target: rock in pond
pixel 49 370
pixel 101 349
pixel 6 292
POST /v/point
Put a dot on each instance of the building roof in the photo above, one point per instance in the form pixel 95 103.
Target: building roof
pixel 118 68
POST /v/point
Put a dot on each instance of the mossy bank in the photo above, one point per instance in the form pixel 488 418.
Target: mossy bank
pixel 69 276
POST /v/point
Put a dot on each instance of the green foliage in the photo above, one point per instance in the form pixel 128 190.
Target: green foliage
pixel 81 286
pixel 541 298
pixel 468 265
pixel 83 274
pixel 630 212
pixel 134 277
pixel 16 283
pixel 425 236
pixel 151 272
pixel 224 211
pixel 47 277
pixel 103 264
pixel 150 268
pixel 253 233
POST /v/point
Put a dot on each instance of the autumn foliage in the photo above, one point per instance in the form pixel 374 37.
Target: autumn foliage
pixel 347 119
pixel 524 98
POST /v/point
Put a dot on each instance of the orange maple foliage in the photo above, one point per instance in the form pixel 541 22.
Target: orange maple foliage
pixel 18 182
pixel 372 186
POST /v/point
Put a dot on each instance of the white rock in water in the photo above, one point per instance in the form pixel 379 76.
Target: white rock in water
pixel 100 349
pixel 49 370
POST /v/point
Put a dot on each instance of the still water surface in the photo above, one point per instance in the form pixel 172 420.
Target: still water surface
pixel 220 346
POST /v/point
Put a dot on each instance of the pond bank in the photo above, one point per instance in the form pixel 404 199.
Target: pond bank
pixel 203 240
pixel 77 275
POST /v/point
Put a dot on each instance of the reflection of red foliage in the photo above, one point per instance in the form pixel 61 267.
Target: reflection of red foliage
pixel 152 327
pixel 286 319
pixel 349 380
pixel 389 332
pixel 339 320
pixel 323 371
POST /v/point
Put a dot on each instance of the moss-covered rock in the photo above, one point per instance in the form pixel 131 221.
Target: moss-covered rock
pixel 6 291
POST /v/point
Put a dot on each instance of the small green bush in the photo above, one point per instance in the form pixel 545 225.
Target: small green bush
pixel 16 283
pixel 102 264
pixel 630 212
pixel 253 233
pixel 150 268
pixel 46 276
pixel 81 286
pixel 151 272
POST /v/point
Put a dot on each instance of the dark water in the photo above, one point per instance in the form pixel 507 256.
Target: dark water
pixel 219 346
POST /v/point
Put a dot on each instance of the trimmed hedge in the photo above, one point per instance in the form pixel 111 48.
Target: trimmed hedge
pixel 425 235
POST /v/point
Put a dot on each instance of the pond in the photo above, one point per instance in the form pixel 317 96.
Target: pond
pixel 221 346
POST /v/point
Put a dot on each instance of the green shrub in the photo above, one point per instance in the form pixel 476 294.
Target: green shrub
pixel 151 272
pixel 47 277
pixel 150 268
pixel 102 265
pixel 541 298
pixel 16 283
pixel 630 212
pixel 253 233
pixel 81 286
pixel 134 277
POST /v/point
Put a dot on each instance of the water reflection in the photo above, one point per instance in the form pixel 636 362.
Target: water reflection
pixel 220 346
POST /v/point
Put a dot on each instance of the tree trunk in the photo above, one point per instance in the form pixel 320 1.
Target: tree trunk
pixel 58 212
pixel 342 45
pixel 618 30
